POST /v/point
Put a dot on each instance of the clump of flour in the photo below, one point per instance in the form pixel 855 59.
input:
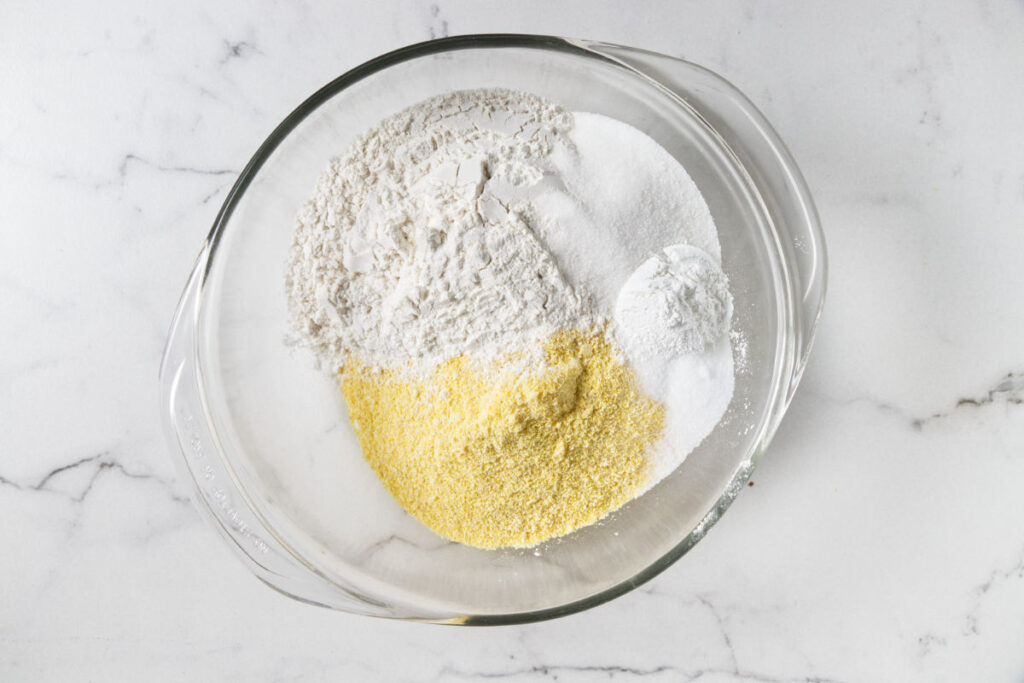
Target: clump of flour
pixel 416 246
pixel 677 302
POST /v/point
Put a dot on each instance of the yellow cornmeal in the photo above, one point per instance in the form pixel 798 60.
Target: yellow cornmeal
pixel 500 458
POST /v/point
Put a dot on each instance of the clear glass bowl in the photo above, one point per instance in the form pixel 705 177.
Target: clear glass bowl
pixel 265 437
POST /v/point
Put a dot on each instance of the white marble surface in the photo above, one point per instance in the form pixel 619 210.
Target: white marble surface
pixel 884 536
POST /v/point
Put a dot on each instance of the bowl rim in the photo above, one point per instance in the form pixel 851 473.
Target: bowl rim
pixel 789 369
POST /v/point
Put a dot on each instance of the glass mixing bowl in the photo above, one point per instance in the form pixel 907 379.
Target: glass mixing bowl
pixel 265 437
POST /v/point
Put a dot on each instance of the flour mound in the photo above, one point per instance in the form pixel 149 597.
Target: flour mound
pixel 677 302
pixel 417 245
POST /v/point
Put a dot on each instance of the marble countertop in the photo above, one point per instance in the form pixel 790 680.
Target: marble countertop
pixel 884 536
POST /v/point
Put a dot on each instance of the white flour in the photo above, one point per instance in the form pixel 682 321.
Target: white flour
pixel 415 246
pixel 479 222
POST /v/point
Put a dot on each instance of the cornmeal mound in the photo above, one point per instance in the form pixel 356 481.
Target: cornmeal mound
pixel 496 458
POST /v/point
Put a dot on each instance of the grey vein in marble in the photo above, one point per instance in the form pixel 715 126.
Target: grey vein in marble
pixel 130 159
pixel 1008 391
pixel 99 463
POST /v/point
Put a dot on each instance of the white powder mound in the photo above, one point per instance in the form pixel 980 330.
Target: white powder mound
pixel 676 303
pixel 416 245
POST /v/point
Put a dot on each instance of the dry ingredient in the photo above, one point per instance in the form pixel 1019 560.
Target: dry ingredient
pixel 499 458
pixel 468 266
pixel 416 245
pixel 677 302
